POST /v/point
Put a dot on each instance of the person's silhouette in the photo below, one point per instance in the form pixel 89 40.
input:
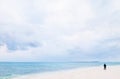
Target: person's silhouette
pixel 105 66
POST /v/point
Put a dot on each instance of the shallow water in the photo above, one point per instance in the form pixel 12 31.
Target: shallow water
pixel 13 69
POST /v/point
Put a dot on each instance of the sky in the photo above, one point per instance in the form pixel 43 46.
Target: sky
pixel 59 30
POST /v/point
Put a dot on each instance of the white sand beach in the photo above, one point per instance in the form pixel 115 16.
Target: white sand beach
pixel 112 72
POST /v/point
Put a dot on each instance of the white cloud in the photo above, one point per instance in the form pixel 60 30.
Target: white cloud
pixel 11 12
pixel 59 26
pixel 3 49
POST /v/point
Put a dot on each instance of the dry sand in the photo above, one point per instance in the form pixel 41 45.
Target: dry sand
pixel 112 72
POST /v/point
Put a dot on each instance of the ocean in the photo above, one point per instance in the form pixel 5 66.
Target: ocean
pixel 9 70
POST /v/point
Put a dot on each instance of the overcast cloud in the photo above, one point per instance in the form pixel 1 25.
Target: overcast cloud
pixel 59 30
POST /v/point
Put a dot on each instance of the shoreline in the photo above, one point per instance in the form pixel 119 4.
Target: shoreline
pixel 112 72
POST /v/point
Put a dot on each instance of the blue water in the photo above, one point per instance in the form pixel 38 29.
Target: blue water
pixel 12 69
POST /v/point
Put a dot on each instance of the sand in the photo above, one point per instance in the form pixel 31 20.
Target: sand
pixel 112 72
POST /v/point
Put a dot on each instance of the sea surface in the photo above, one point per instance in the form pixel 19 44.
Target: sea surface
pixel 9 70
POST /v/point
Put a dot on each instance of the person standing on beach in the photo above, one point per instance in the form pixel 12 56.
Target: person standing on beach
pixel 105 66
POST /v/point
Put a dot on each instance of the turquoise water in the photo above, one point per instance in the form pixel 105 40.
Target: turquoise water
pixel 12 69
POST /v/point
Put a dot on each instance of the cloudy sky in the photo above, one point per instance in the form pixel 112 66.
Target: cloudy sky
pixel 59 30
